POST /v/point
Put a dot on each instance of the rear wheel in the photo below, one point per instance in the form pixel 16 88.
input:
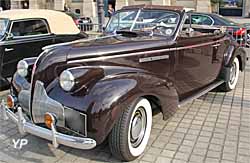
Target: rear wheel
pixel 234 76
pixel 130 135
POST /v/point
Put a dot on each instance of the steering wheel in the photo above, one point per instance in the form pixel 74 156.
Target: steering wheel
pixel 164 30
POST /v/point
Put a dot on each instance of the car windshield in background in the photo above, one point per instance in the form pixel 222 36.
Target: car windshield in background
pixel 144 20
pixel 3 27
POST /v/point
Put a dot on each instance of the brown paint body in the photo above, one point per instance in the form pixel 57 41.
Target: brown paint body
pixel 113 71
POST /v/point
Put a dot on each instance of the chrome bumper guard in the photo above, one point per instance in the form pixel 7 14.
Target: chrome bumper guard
pixel 52 135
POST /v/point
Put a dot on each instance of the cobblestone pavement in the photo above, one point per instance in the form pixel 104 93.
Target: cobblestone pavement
pixel 213 128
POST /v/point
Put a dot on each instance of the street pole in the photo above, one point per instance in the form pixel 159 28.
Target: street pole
pixel 100 14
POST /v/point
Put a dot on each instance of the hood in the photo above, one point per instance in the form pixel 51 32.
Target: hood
pixel 116 44
pixel 54 58
pixel 48 64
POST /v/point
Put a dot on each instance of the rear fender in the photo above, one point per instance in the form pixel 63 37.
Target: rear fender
pixel 231 53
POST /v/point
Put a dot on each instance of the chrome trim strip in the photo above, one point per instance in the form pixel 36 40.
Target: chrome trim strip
pixel 142 53
pixel 150 59
pixel 52 135
pixel 8 49
pixel 26 40
pixel 216 45
pixel 121 55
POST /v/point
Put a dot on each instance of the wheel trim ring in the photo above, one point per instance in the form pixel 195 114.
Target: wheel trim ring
pixel 233 73
pixel 139 150
pixel 136 136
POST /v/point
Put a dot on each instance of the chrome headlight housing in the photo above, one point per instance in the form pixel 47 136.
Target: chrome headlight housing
pixel 67 80
pixel 22 68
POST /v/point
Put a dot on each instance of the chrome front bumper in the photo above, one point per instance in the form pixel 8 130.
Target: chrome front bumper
pixel 25 126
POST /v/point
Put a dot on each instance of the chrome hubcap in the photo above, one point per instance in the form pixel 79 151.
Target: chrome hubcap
pixel 138 127
pixel 233 72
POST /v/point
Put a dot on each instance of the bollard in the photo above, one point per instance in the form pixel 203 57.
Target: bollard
pixel 3 109
pixel 21 121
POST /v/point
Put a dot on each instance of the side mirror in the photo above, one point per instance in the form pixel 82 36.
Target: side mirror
pixel 9 36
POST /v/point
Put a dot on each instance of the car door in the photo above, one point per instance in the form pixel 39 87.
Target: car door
pixel 197 63
pixel 27 39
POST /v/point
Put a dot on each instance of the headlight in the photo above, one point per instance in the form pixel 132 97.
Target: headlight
pixel 22 68
pixel 67 80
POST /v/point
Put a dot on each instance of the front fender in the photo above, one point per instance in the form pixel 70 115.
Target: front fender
pixel 104 102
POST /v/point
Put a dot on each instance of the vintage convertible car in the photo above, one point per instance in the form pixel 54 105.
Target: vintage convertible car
pixel 81 93
pixel 23 33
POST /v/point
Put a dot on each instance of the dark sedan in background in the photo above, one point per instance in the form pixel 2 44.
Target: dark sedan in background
pixel 241 32
pixel 23 33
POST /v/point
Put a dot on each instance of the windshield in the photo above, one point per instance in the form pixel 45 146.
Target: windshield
pixel 158 21
pixel 3 27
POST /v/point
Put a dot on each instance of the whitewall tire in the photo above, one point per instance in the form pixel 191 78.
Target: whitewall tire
pixel 130 135
pixel 234 76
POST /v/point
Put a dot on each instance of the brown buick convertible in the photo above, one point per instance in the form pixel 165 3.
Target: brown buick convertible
pixel 80 93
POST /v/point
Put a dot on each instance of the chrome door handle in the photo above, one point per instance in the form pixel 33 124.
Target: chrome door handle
pixel 216 45
pixel 8 49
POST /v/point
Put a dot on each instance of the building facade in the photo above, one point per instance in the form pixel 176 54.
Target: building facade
pixel 88 7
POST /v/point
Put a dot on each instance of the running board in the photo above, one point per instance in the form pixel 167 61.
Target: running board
pixel 201 92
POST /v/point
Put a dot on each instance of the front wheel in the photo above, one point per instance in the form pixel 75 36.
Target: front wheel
pixel 234 76
pixel 130 135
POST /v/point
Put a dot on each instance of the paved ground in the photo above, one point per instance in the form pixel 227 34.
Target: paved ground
pixel 213 128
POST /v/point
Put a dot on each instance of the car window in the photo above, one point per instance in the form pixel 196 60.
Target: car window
pixel 29 28
pixel 200 20
pixel 3 27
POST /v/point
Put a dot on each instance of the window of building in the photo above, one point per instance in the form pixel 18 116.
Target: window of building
pixel 29 28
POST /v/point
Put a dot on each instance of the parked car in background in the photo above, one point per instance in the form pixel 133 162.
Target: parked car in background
pixel 23 33
pixel 241 32
pixel 107 88
pixel 82 22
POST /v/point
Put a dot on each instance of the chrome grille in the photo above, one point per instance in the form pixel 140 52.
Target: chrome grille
pixel 42 104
